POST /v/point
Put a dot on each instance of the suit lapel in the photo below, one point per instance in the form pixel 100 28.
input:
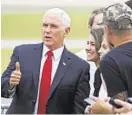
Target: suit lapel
pixel 62 67
pixel 37 54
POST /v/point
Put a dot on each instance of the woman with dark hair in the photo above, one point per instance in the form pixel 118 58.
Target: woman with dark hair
pixel 97 48
pixel 94 44
pixel 105 48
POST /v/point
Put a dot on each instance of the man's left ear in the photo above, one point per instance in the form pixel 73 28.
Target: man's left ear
pixel 67 30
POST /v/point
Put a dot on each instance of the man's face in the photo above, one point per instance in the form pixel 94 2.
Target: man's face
pixel 53 31
pixel 91 49
pixel 98 19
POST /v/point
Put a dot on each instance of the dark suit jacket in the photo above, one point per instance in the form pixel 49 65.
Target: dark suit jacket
pixel 69 87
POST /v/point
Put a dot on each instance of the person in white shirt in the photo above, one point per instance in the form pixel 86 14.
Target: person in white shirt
pixel 94 44
pixel 95 21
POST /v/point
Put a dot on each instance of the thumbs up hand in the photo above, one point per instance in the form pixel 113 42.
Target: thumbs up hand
pixel 15 76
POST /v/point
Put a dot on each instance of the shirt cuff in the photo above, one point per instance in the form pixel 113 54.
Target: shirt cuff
pixel 11 91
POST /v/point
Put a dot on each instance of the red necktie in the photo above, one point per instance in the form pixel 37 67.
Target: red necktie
pixel 45 83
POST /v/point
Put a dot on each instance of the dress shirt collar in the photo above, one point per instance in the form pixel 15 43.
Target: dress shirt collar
pixel 57 53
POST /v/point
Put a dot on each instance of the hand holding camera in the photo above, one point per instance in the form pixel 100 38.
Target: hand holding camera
pixel 110 106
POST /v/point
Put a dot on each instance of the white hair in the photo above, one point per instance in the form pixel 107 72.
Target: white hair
pixel 62 14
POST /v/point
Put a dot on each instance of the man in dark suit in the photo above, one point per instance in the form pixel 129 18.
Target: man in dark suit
pixel 46 77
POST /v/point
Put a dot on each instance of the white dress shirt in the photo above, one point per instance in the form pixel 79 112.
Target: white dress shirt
pixel 55 62
pixel 103 89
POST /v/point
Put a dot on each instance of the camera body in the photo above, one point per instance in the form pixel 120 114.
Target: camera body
pixel 90 101
pixel 111 101
pixel 129 100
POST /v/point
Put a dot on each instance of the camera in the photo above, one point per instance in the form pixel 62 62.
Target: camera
pixel 111 101
pixel 129 100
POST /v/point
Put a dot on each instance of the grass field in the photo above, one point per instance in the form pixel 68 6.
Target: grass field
pixel 28 25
